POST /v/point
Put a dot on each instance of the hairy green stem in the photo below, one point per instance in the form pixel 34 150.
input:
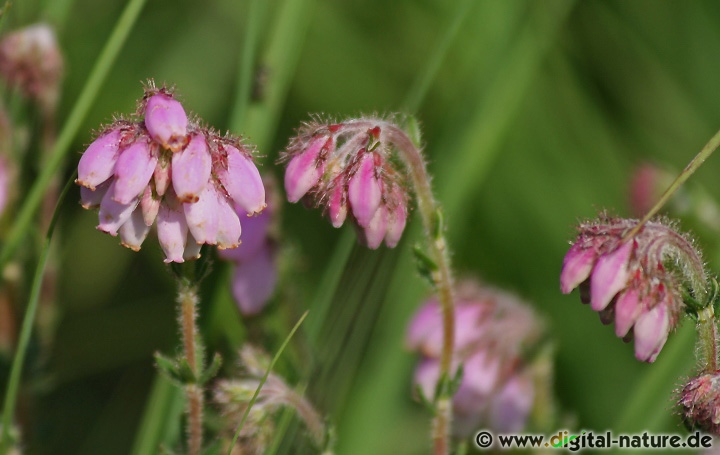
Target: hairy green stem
pixel 442 276
pixel 707 340
pixel 188 300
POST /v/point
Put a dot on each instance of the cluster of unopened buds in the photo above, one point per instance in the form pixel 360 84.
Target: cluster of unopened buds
pixel 162 166
pixel 638 282
pixel 492 329
pixel 351 169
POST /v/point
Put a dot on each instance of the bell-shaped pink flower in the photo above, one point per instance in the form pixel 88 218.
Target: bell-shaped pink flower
pixel 651 332
pixel 166 121
pixel 577 265
pixel 242 181
pixel 364 192
pixel 305 169
pixel 609 276
pixel 191 169
pixel 98 162
pixel 133 170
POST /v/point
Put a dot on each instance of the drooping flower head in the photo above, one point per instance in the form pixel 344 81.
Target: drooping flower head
pixel 353 170
pixel 30 59
pixel 637 282
pixel 161 165
pixel 255 269
pixel 493 331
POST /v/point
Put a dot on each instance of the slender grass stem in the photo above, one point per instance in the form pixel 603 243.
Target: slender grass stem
pixel 264 378
pixel 97 76
pixel 27 326
pixel 689 170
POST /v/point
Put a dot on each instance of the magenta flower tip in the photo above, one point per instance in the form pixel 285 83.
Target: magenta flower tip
pixel 651 332
pixel 304 170
pixel 364 192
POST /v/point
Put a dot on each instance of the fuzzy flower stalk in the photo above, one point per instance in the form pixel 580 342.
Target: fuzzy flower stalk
pixel 363 170
pixel 233 397
pixel 161 167
pixel 495 332
pixel 637 277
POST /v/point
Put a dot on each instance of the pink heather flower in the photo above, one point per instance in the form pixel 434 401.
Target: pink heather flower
pixel 492 330
pixel 255 274
pixel 162 166
pixel 30 59
pixel 700 403
pixel 637 283
pixel 351 169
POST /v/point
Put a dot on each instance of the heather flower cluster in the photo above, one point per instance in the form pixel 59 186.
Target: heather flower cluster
pixel 351 169
pixel 636 282
pixel 493 329
pixel 255 273
pixel 162 166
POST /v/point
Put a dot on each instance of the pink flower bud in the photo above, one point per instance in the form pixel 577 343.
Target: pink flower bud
pixel 90 199
pixel 304 170
pixel 150 206
pixel 112 213
pixel 202 216
pixel 191 169
pixel 162 177
pixel 229 230
pixel 395 225
pixel 577 265
pixel 166 121
pixel 700 402
pixel 133 170
pixel 374 233
pixel 627 309
pixel 134 231
pixel 242 181
pixel 172 233
pixel 651 332
pixel 364 191
pixel 609 276
pixel 337 205
pixel 97 164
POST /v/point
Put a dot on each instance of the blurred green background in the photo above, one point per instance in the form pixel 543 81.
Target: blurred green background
pixel 536 117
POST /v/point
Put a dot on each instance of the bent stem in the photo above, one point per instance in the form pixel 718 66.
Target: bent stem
pixel 689 170
pixel 188 300
pixel 442 278
pixel 707 340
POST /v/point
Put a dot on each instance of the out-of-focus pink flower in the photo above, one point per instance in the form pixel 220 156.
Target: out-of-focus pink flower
pixel 30 59
pixel 628 280
pixel 492 329
pixel 163 166
pixel 255 274
pixel 352 168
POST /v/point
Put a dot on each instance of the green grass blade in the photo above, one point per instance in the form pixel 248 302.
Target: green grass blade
pixel 97 76
pixel 163 410
pixel 27 326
